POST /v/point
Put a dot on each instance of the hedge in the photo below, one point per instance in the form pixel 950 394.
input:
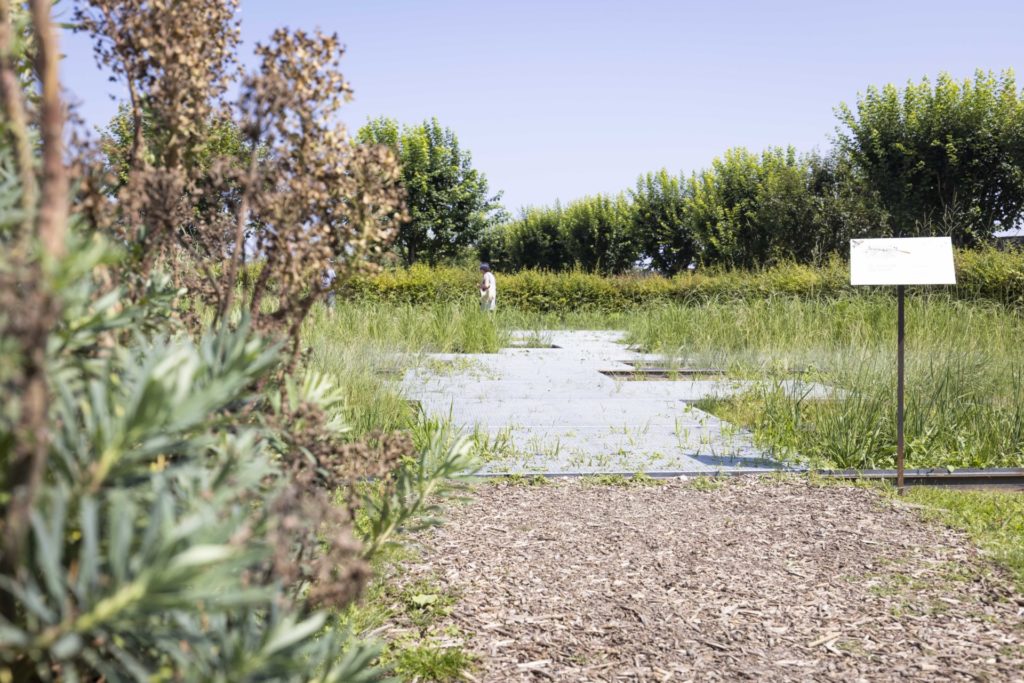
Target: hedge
pixel 981 274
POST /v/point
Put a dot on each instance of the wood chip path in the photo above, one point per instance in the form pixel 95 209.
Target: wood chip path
pixel 755 580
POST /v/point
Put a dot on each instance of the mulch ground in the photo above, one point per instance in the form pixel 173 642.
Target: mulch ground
pixel 756 580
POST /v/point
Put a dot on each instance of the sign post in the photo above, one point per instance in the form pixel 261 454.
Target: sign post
pixel 901 261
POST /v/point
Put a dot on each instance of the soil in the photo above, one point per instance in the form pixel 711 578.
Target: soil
pixel 754 579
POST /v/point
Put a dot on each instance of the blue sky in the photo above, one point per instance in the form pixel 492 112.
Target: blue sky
pixel 557 100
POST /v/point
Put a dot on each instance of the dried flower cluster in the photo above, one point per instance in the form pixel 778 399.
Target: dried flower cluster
pixel 300 201
pixel 319 201
pixel 175 57
pixel 312 540
pixel 307 204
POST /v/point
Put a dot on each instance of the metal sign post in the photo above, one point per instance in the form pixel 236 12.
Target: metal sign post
pixel 900 338
pixel 901 261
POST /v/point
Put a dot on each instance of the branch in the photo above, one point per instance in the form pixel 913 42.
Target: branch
pixel 39 306
pixel 224 310
pixel 14 110
pixel 53 209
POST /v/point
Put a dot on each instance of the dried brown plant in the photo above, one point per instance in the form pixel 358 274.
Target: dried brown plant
pixel 306 201
pixel 176 59
pixel 30 310
pixel 320 202
pixel 309 201
pixel 312 538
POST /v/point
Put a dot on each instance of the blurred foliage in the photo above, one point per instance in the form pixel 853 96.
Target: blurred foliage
pixel 179 498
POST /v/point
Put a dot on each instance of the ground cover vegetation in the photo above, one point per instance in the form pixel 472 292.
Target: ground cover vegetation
pixel 184 496
pixel 963 374
pixel 993 519
pixel 964 386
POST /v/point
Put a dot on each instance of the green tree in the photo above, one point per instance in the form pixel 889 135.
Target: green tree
pixel 448 201
pixel 222 139
pixel 749 210
pixel 659 221
pixel 847 207
pixel 946 158
pixel 599 236
pixel 534 240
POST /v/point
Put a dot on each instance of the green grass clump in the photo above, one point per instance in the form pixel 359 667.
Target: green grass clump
pixel 432 663
pixel 422 603
pixel 520 480
pixel 707 484
pixel 638 479
pixel 994 520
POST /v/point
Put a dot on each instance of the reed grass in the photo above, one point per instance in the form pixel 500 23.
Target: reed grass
pixel 365 346
pixel 965 367
pixel 965 375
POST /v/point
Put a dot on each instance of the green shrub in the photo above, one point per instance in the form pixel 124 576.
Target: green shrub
pixel 173 537
pixel 986 273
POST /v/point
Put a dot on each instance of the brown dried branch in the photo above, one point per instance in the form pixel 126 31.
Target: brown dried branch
pixel 16 119
pixel 32 318
pixel 53 208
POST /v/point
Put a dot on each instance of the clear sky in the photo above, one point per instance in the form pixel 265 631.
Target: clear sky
pixel 560 99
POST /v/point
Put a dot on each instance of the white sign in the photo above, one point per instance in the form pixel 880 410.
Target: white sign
pixel 902 261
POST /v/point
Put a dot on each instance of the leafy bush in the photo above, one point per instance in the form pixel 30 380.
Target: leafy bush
pixel 981 274
pixel 171 534
pixel 595 234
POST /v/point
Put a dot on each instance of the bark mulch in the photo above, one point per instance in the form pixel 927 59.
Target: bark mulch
pixel 755 580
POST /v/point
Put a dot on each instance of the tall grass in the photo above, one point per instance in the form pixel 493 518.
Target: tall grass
pixel 965 375
pixel 965 367
pixel 366 346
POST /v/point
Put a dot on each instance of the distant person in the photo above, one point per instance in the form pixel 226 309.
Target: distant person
pixel 488 289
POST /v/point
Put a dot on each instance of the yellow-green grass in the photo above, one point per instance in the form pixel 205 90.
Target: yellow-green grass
pixel 965 368
pixel 994 520
pixel 965 376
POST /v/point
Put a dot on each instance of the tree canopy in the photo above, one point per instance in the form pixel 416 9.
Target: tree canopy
pixel 221 139
pixel 660 226
pixel 448 200
pixel 946 158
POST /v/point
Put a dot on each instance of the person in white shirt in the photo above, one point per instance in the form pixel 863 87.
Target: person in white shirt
pixel 488 289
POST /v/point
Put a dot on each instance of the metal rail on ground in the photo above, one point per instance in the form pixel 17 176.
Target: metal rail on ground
pixel 1005 479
